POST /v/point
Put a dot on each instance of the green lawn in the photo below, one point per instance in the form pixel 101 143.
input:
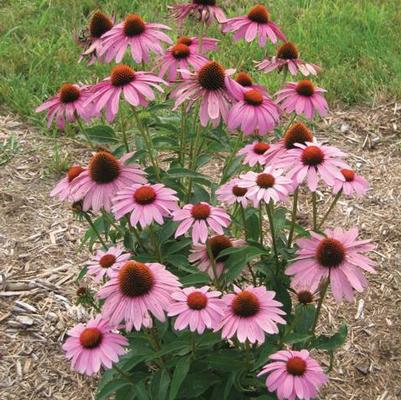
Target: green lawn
pixel 358 43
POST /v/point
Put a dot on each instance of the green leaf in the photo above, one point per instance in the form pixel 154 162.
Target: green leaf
pixel 101 134
pixel 195 279
pixel 304 318
pixel 293 338
pixel 82 273
pixel 110 388
pixel 160 385
pixel 180 372
pixel 184 172
pixel 331 343
pixel 227 360
pixel 237 261
pixel 176 246
pixel 167 231
pixel 141 391
pixel 196 384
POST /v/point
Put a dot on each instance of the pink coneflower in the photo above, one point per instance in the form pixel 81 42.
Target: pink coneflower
pixel 91 346
pixel 63 188
pixel 200 217
pixel 107 262
pixel 288 57
pixel 250 313
pixel 136 86
pixel 268 185
pixel 200 256
pixel 204 10
pixel 146 203
pixel 141 37
pixel 105 175
pixel 208 44
pixel 136 292
pixel 211 85
pixel 353 185
pixel 336 257
pixel 68 105
pixel 197 309
pixel 256 24
pixel 246 81
pixel 99 24
pixel 294 375
pixel 313 161
pixel 296 133
pixel 254 153
pixel 254 113
pixel 303 295
pixel 177 58
pixel 303 97
pixel 230 193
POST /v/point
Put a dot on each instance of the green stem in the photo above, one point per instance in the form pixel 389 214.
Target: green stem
pixel 122 373
pixel 182 138
pixel 289 123
pixel 284 75
pixel 138 238
pixel 194 155
pixel 323 293
pixel 293 217
pixel 213 262
pixel 261 223
pixel 242 212
pixel 269 209
pixel 333 204
pixel 314 210
pixel 92 225
pixel 83 131
pixel 155 245
pixel 124 131
pixel 231 158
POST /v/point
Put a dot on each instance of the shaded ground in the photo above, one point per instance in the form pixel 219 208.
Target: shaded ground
pixel 40 256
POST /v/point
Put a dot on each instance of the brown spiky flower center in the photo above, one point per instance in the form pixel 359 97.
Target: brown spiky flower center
pixel 107 260
pixel 211 76
pixel 73 172
pixel 265 181
pixel 197 300
pixel 297 133
pixel 296 366
pixel 287 51
pixel 253 97
pixel 134 25
pixel 180 51
pixel 305 88
pixel 312 156
pixel 259 14
pixel 218 244
pixel 330 253
pixel 245 304
pixel 122 75
pixel 69 93
pixel 184 40
pixel 204 2
pixel 100 24
pixel 260 148
pixel 104 167
pixel 244 79
pixel 200 211
pixel 145 195
pixel 348 174
pixel 239 191
pixel 90 338
pixel 135 279
pixel 305 297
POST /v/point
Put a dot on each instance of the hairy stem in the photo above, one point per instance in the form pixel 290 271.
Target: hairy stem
pixel 332 205
pixel 293 217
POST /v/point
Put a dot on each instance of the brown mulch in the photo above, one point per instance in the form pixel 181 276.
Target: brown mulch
pixel 40 257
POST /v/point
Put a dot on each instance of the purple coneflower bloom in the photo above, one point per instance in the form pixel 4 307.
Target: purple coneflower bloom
pixel 353 185
pixel 208 44
pixel 249 313
pixel 294 375
pixel 68 104
pixel 136 292
pixel 288 57
pixel 204 10
pixel 105 175
pixel 338 257
pixel 256 24
pixel 146 203
pixel 245 80
pixel 303 97
pixel 91 346
pixel 254 153
pixel 197 309
pixel 142 38
pixel 230 193
pixel 200 217
pixel 63 188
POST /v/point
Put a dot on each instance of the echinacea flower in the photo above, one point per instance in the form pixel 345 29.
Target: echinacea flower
pixel 337 257
pixel 105 175
pixel 303 294
pixel 136 86
pixel 268 185
pixel 63 188
pixel 254 153
pixel 254 112
pixel 313 161
pixel 246 81
pixel 200 217
pixel 205 11
pixel 94 345
pixel 137 292
pixel 141 37
pixel 200 255
pixel 250 313
pixel 197 309
pixel 146 203
pixel 211 84
pixel 107 262
pixel 303 97
pixel 255 25
pixel 68 105
pixel 230 193
pixel 353 185
pixel 208 44
pixel 294 375
pixel 178 58
pixel 99 24
pixel 287 57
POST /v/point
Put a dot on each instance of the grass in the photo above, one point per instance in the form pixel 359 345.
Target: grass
pixel 357 43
